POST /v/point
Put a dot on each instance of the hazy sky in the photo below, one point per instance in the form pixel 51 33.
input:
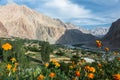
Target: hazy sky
pixel 86 13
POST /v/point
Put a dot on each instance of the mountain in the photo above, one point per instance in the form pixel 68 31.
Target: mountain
pixel 112 38
pixel 99 31
pixel 72 26
pixel 21 21
pixel 3 31
pixel 75 36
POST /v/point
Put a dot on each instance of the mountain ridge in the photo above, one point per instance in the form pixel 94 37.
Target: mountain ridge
pixel 21 21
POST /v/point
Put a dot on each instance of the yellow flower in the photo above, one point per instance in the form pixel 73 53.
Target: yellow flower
pixel 57 64
pixel 46 64
pixel 52 75
pixel 7 46
pixel 91 75
pixel 40 77
pixel 53 60
pixel 9 66
pixel 116 76
pixel 13 59
pixel 14 69
pixel 106 49
pixel 97 41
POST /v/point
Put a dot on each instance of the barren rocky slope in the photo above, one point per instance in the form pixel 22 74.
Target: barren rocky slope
pixel 21 21
pixel 113 36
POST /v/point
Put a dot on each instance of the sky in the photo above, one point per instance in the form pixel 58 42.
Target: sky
pixel 85 13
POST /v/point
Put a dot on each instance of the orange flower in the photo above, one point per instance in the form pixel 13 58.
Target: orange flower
pixel 77 73
pixel 52 75
pixel 106 49
pixel 14 69
pixel 40 77
pixel 116 76
pixel 9 66
pixel 92 69
pixel 7 46
pixel 98 43
pixel 99 65
pixel 87 67
pixel 91 75
pixel 57 64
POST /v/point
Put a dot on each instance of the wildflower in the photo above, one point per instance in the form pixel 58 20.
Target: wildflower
pixel 116 76
pixel 57 64
pixel 7 46
pixel 52 75
pixel 99 65
pixel 92 69
pixel 98 43
pixel 77 73
pixel 14 69
pixel 16 64
pixel 53 60
pixel 91 75
pixel 13 59
pixel 106 49
pixel 9 66
pixel 87 67
pixel 46 64
pixel 40 77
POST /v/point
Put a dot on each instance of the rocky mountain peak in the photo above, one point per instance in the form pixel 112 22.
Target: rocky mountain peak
pixel 21 21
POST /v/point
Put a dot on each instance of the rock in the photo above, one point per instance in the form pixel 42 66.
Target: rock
pixel 112 38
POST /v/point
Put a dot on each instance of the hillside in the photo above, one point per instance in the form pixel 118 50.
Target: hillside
pixel 21 21
pixel 112 38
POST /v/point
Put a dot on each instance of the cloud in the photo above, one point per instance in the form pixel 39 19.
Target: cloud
pixel 65 8
pixel 76 13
